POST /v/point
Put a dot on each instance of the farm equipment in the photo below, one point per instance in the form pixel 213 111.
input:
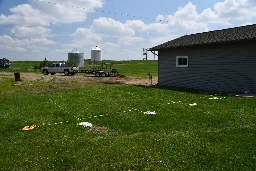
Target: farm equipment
pixel 101 70
pixel 5 63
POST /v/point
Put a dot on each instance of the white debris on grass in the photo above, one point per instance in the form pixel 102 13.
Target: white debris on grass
pixel 193 104
pixel 175 102
pixel 214 98
pixel 85 124
pixel 150 113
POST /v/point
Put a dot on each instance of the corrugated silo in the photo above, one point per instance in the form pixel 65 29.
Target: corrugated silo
pixel 77 57
pixel 96 54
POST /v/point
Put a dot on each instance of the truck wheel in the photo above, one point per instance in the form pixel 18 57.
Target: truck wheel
pixel 97 74
pixel 113 71
pixel 103 74
pixel 66 72
pixel 45 72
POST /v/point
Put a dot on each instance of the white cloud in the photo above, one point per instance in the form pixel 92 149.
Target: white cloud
pixel 44 13
pixel 111 27
pixel 87 35
pixel 126 40
pixel 5 39
pixel 12 49
pixel 236 9
pixel 222 13
pixel 159 33
pixel 69 11
pixel 158 30
pixel 25 31
pixel 136 25
pixel 7 43
pixel 34 41
pixel 82 37
pixel 209 16
pixel 62 50
pixel 25 15
pixel 187 13
pixel 115 51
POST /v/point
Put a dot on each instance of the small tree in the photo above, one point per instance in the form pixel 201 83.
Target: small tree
pixel 42 64
pixel 71 63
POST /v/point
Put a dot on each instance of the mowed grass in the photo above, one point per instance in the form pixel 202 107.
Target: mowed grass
pixel 214 135
pixel 21 66
pixel 137 67
pixel 128 68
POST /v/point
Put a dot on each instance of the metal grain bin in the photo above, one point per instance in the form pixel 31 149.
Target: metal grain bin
pixel 96 54
pixel 77 57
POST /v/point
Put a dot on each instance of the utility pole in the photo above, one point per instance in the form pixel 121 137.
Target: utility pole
pixel 145 53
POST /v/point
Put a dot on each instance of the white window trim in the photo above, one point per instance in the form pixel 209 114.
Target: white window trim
pixel 177 62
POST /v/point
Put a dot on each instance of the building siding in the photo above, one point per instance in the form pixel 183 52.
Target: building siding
pixel 219 67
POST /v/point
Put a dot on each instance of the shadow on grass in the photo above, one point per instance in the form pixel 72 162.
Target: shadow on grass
pixel 193 91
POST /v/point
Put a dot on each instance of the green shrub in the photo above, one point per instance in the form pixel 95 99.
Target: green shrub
pixel 71 63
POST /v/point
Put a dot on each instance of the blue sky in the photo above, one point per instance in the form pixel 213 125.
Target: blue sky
pixel 32 30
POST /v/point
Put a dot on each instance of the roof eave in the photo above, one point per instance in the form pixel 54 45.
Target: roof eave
pixel 201 44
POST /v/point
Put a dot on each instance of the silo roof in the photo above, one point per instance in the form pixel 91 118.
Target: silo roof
pixel 75 51
pixel 96 48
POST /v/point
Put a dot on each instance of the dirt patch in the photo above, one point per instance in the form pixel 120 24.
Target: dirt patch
pixel 141 81
pixel 99 129
pixel 80 79
pixel 37 83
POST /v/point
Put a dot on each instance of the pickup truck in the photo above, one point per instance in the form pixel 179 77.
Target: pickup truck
pixel 60 68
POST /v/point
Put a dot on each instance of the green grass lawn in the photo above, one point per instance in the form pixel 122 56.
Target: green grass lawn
pixel 137 68
pixel 21 66
pixel 214 135
pixel 128 68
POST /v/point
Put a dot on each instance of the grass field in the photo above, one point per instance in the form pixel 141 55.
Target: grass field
pixel 213 135
pixel 130 68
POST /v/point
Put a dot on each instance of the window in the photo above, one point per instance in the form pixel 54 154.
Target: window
pixel 182 61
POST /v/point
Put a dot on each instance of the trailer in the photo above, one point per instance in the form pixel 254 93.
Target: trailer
pixel 100 73
pixel 100 70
